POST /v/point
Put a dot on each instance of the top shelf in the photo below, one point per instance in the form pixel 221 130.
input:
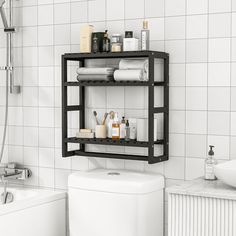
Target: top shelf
pixel 76 56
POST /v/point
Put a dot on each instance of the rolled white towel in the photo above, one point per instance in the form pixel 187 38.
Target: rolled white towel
pixel 95 71
pixel 130 75
pixel 129 64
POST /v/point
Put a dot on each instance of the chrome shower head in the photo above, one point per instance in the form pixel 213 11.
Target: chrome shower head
pixel 3 15
pixel 2 2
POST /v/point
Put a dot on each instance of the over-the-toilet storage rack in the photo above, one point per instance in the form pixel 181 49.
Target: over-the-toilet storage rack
pixel 81 57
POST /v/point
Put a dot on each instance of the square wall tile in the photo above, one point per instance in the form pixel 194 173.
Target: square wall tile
pixel 219 25
pixel 46 117
pixel 177 74
pixel 219 6
pixel 30 96
pixel 156 26
pixel 62 13
pixel 79 11
pixel 115 97
pixel 196 50
pixel 45 56
pixel 177 98
pixel 30 56
pixel 60 162
pixel 196 98
pixel 173 8
pixel 233 5
pixel 46 137
pixel 233 24
pixel 194 168
pixel 233 124
pixel 46 157
pixel 197 26
pixel 219 74
pixel 174 168
pixel 46 96
pixel 154 8
pixel 233 56
pixel 30 36
pixel 139 9
pixel 196 145
pixel 61 179
pixel 218 123
pixel 115 10
pixel 30 156
pixel 97 10
pixel 219 50
pixel 95 97
pixel 30 76
pixel 175 27
pixel 15 154
pixel 196 74
pixel 196 122
pixel 233 98
pixel 177 121
pixel 62 34
pixel 45 15
pixel 176 49
pixel 45 35
pixel 29 16
pixel 197 7
pixel 31 136
pixel 46 76
pixel 233 148
pixel 177 145
pixel 218 99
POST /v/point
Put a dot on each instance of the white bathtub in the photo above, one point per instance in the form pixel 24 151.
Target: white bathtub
pixel 34 212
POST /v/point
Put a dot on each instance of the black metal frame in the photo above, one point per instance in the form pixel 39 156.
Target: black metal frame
pixel 81 57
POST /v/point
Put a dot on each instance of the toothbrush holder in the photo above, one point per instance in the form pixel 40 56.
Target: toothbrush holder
pixel 100 131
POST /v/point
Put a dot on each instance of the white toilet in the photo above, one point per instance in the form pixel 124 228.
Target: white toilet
pixel 116 203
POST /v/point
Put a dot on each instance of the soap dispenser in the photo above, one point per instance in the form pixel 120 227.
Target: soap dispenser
pixel 210 162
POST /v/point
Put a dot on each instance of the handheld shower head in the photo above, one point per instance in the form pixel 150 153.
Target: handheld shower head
pixel 3 15
pixel 2 2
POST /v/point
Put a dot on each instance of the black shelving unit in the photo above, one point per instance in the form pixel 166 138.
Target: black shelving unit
pixel 151 158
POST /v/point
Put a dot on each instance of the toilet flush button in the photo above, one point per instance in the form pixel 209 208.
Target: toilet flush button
pixel 113 173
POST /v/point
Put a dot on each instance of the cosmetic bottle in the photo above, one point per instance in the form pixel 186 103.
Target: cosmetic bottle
pixel 133 128
pixel 210 163
pixel 122 128
pixel 127 131
pixel 116 128
pixel 106 43
pixel 109 124
pixel 95 46
pixel 145 36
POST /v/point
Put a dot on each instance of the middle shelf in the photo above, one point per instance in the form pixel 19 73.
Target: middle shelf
pixel 108 141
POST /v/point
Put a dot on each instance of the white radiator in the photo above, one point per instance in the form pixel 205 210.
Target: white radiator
pixel 200 216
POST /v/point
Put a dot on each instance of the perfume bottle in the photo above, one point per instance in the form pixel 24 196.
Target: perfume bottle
pixel 210 162
pixel 122 128
pixel 145 33
pixel 127 131
pixel 106 43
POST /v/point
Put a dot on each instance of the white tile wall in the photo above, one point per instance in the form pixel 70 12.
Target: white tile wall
pixel 200 37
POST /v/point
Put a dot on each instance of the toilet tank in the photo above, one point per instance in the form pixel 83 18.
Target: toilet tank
pixel 116 203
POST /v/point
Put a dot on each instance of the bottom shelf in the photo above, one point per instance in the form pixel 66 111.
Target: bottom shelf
pixel 154 160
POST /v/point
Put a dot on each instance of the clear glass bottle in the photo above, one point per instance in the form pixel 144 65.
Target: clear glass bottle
pixel 95 47
pixel 122 128
pixel 127 131
pixel 210 162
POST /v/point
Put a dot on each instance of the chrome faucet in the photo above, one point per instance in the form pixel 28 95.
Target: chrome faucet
pixel 11 172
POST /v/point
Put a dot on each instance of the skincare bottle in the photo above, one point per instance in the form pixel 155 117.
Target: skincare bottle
pixel 116 128
pixel 210 162
pixel 127 131
pixel 122 128
pixel 106 43
pixel 110 122
pixel 95 46
pixel 145 36
pixel 133 128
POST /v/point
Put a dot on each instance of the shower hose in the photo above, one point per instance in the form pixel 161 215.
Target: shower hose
pixel 5 122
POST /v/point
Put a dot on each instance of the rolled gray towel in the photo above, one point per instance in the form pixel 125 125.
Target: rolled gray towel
pixel 130 75
pixel 95 71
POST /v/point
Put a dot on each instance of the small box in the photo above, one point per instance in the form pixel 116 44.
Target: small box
pixel 86 38
pixel 130 44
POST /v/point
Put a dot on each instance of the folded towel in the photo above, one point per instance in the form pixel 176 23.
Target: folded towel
pixel 127 64
pixel 130 75
pixel 94 77
pixel 95 71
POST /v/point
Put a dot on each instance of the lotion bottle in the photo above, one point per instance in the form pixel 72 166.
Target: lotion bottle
pixel 210 162
pixel 122 128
